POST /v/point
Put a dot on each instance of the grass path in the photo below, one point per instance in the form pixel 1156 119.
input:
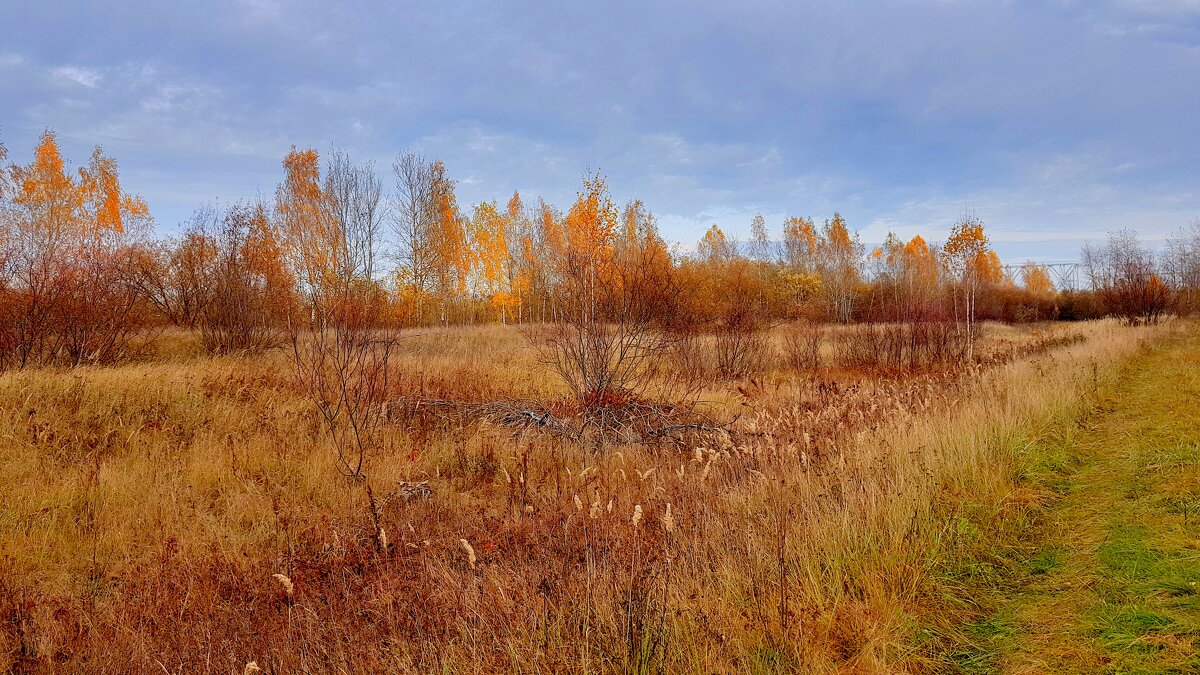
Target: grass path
pixel 1111 584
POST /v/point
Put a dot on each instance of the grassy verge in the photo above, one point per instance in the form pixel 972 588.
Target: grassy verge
pixel 1103 577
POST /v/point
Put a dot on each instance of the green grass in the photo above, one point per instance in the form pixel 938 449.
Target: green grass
pixel 1106 579
pixel 1046 561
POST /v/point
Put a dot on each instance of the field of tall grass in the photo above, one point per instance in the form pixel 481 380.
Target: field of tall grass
pixel 181 513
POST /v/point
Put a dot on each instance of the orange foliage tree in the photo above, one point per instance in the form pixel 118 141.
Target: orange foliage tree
pixel 1036 280
pixel 518 271
pixel 907 324
pixel 714 247
pixel 799 280
pixel 340 338
pixel 304 213
pixel 490 230
pixel 247 293
pixel 825 263
pixel 69 255
pixel 614 294
pixel 965 258
pixel 1039 289
pixel 451 247
pixel 841 258
pixel 800 244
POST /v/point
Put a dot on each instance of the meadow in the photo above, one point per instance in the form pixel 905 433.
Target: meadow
pixel 368 430
pixel 181 511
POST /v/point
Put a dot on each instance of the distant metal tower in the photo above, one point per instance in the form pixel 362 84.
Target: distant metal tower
pixel 1066 275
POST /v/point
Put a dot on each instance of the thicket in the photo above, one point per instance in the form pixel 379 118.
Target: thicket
pixel 82 277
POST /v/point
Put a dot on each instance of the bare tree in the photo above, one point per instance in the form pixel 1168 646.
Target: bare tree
pixel 1124 274
pixel 7 249
pixel 760 245
pixel 358 210
pixel 1092 256
pixel 412 219
pixel 1181 262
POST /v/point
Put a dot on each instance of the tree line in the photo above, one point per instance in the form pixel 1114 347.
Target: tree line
pixel 83 275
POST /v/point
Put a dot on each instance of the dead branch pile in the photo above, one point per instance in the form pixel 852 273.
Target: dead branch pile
pixel 629 421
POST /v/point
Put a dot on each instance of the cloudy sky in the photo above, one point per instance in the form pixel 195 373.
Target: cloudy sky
pixel 1053 121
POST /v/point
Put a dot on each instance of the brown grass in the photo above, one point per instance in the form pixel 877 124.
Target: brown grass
pixel 148 512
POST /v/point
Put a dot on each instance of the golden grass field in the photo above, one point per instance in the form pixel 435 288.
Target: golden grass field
pixel 147 511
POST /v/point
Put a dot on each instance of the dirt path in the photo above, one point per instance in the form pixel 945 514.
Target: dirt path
pixel 1112 587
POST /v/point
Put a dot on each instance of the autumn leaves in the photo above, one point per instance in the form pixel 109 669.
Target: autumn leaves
pixel 91 203
pixel 82 278
pixel 65 259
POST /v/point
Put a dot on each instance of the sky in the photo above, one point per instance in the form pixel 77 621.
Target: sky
pixel 1052 121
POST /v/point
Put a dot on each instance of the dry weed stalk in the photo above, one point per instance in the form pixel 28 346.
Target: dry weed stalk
pixel 466 546
pixel 285 582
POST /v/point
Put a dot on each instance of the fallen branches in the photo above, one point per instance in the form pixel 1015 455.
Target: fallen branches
pixel 628 421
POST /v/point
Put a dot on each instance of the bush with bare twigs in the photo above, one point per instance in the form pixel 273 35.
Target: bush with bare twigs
pixel 802 345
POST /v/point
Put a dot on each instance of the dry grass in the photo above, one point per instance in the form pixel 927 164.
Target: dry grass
pixel 147 510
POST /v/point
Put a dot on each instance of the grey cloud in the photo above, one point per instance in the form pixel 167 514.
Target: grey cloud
pixel 1047 118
